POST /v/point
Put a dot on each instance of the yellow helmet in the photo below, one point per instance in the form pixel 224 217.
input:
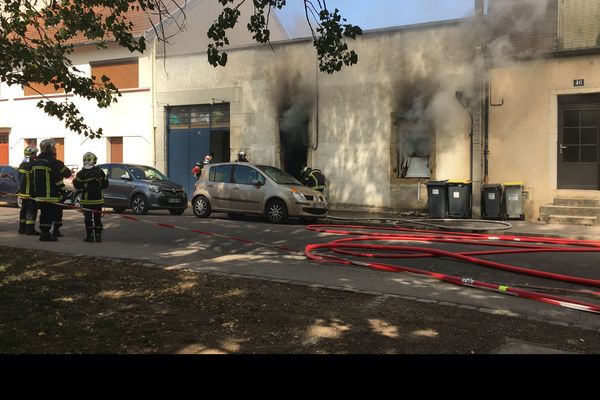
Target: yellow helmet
pixel 89 158
pixel 30 151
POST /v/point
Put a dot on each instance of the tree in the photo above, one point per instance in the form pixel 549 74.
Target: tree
pixel 37 36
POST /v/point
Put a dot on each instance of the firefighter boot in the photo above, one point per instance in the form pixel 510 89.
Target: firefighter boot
pixel 30 230
pixel 45 235
pixel 56 231
pixel 89 235
pixel 22 228
pixel 98 235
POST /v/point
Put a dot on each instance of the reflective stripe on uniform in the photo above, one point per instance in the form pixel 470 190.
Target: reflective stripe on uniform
pixel 95 202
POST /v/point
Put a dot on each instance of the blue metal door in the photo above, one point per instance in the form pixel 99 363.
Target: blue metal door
pixel 186 146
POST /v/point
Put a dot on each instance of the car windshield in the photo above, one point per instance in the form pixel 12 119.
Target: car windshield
pixel 149 173
pixel 279 176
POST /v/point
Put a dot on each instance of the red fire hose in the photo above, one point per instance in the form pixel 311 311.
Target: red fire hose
pixel 348 246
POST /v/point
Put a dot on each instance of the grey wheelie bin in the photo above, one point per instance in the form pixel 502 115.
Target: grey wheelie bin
pixel 437 199
pixel 513 200
pixel 491 201
pixel 459 199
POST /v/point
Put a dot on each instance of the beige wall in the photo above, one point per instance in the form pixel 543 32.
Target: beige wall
pixel 524 130
pixel 357 108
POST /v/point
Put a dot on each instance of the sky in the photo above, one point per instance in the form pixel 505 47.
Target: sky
pixel 373 14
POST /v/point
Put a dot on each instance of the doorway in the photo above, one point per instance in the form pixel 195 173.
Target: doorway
pixel 192 133
pixel 578 142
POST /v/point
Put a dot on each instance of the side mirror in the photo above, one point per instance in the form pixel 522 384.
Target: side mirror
pixel 126 177
pixel 256 183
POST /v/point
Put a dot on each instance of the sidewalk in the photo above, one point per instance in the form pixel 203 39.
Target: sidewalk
pixel 518 228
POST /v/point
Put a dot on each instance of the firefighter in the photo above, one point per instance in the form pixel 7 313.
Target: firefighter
pixel 45 174
pixel 242 157
pixel 198 167
pixel 28 212
pixel 65 172
pixel 313 178
pixel 91 180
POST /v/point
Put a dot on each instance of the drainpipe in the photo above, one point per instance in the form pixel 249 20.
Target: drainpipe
pixel 316 145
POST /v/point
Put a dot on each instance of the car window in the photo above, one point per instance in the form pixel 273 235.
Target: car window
pixel 7 173
pixel 117 172
pixel 138 172
pixel 220 173
pixel 279 176
pixel 144 172
pixel 245 175
pixel 105 170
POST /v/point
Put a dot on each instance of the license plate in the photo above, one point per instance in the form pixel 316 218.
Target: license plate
pixel 174 201
pixel 319 205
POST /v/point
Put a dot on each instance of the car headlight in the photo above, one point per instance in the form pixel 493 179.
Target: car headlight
pixel 297 195
pixel 154 188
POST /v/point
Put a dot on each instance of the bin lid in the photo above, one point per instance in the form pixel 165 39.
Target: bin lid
pixel 458 182
pixel 514 184
pixel 437 183
pixel 492 186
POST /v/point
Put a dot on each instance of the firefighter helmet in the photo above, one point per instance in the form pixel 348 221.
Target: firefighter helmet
pixel 48 146
pixel 241 154
pixel 89 159
pixel 305 170
pixel 30 151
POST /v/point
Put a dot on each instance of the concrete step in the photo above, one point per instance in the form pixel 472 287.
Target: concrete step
pixel 570 210
pixel 576 202
pixel 570 220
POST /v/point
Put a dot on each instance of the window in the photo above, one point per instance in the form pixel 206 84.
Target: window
pixel 579 24
pixel 36 89
pixel 3 148
pixel 8 173
pixel 124 74
pixel 60 148
pixel 580 135
pixel 116 149
pixel 30 142
pixel 117 172
pixel 221 173
pixel 245 175
pixel 199 116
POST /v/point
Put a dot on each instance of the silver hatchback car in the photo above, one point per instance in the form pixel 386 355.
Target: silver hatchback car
pixel 244 188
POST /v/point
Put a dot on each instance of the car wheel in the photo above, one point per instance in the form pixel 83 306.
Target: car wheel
pixel 176 211
pixel 119 210
pixel 201 207
pixel 139 205
pixel 276 211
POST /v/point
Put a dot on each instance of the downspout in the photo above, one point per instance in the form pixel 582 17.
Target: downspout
pixel 316 145
pixel 153 105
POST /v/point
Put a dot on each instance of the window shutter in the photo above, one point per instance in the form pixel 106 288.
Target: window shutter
pixel 579 23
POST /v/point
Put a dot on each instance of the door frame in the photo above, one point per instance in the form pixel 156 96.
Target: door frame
pixel 574 104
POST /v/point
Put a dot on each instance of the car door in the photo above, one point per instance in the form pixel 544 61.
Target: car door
pixel 245 194
pixel 9 183
pixel 219 186
pixel 120 186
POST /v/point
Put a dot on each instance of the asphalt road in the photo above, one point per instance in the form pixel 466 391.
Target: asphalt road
pixel 171 247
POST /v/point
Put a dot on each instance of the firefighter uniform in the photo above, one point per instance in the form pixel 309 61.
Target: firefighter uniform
pixel 28 212
pixel 64 173
pixel 314 179
pixel 91 180
pixel 45 174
